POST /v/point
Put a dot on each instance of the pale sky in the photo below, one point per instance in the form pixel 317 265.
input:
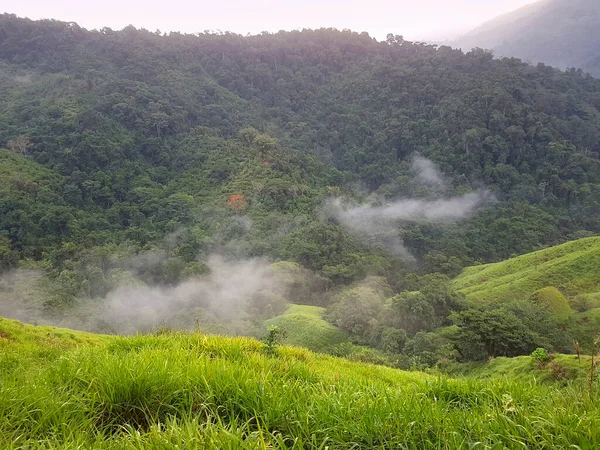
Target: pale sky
pixel 415 19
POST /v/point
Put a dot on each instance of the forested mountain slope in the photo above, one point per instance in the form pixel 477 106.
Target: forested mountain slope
pixel 134 157
pixel 561 33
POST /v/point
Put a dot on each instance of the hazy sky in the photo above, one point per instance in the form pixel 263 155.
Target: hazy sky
pixel 415 19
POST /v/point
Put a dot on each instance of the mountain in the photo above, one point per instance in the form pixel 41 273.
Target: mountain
pixel 316 182
pixel 194 390
pixel 561 33
pixel 145 134
pixel 210 181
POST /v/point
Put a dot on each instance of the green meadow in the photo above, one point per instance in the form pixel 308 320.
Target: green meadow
pixel 67 389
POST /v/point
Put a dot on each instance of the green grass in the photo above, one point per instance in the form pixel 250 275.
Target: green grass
pixel 305 327
pixel 194 391
pixel 562 369
pixel 587 326
pixel 585 302
pixel 554 301
pixel 24 345
pixel 572 267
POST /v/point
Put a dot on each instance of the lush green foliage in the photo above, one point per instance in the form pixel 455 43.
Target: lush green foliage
pixel 540 356
pixel 133 157
pixel 198 391
pixel 148 135
pixel 559 369
pixel 551 299
pixel 504 312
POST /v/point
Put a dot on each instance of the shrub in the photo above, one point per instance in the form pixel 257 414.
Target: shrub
pixel 558 371
pixel 273 339
pixel 540 356
pixel 343 350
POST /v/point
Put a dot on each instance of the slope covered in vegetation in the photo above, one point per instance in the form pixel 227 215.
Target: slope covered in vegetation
pixel 573 268
pixel 560 368
pixel 304 326
pixel 208 181
pixel 194 390
pixel 152 137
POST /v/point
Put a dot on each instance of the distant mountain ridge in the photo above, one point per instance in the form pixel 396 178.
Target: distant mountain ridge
pixel 562 33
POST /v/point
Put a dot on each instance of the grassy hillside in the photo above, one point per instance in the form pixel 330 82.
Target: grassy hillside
pixel 304 326
pixel 588 324
pixel 74 390
pixel 562 369
pixel 573 268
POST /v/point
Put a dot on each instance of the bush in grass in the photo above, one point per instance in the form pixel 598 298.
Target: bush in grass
pixel 540 356
pixel 343 350
pixel 273 339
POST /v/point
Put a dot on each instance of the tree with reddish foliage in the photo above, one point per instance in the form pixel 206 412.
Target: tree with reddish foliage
pixel 237 202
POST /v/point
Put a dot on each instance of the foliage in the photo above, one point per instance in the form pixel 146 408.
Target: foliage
pixel 356 309
pixel 133 157
pixel 585 302
pixel 413 312
pixel 554 301
pixel 393 340
pixel 492 333
pixel 574 371
pixel 540 356
pixel 132 136
pixel 272 340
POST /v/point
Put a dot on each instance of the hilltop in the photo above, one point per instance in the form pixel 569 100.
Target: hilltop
pixel 561 33
pixel 64 389
pixel 304 326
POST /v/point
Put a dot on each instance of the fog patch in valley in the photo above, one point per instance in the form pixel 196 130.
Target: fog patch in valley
pixel 377 221
pixel 225 293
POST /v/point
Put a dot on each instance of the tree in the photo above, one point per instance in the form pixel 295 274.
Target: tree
pixel 356 310
pixel 8 258
pixel 498 331
pixel 237 203
pixel 393 340
pixel 19 145
pixel 412 312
